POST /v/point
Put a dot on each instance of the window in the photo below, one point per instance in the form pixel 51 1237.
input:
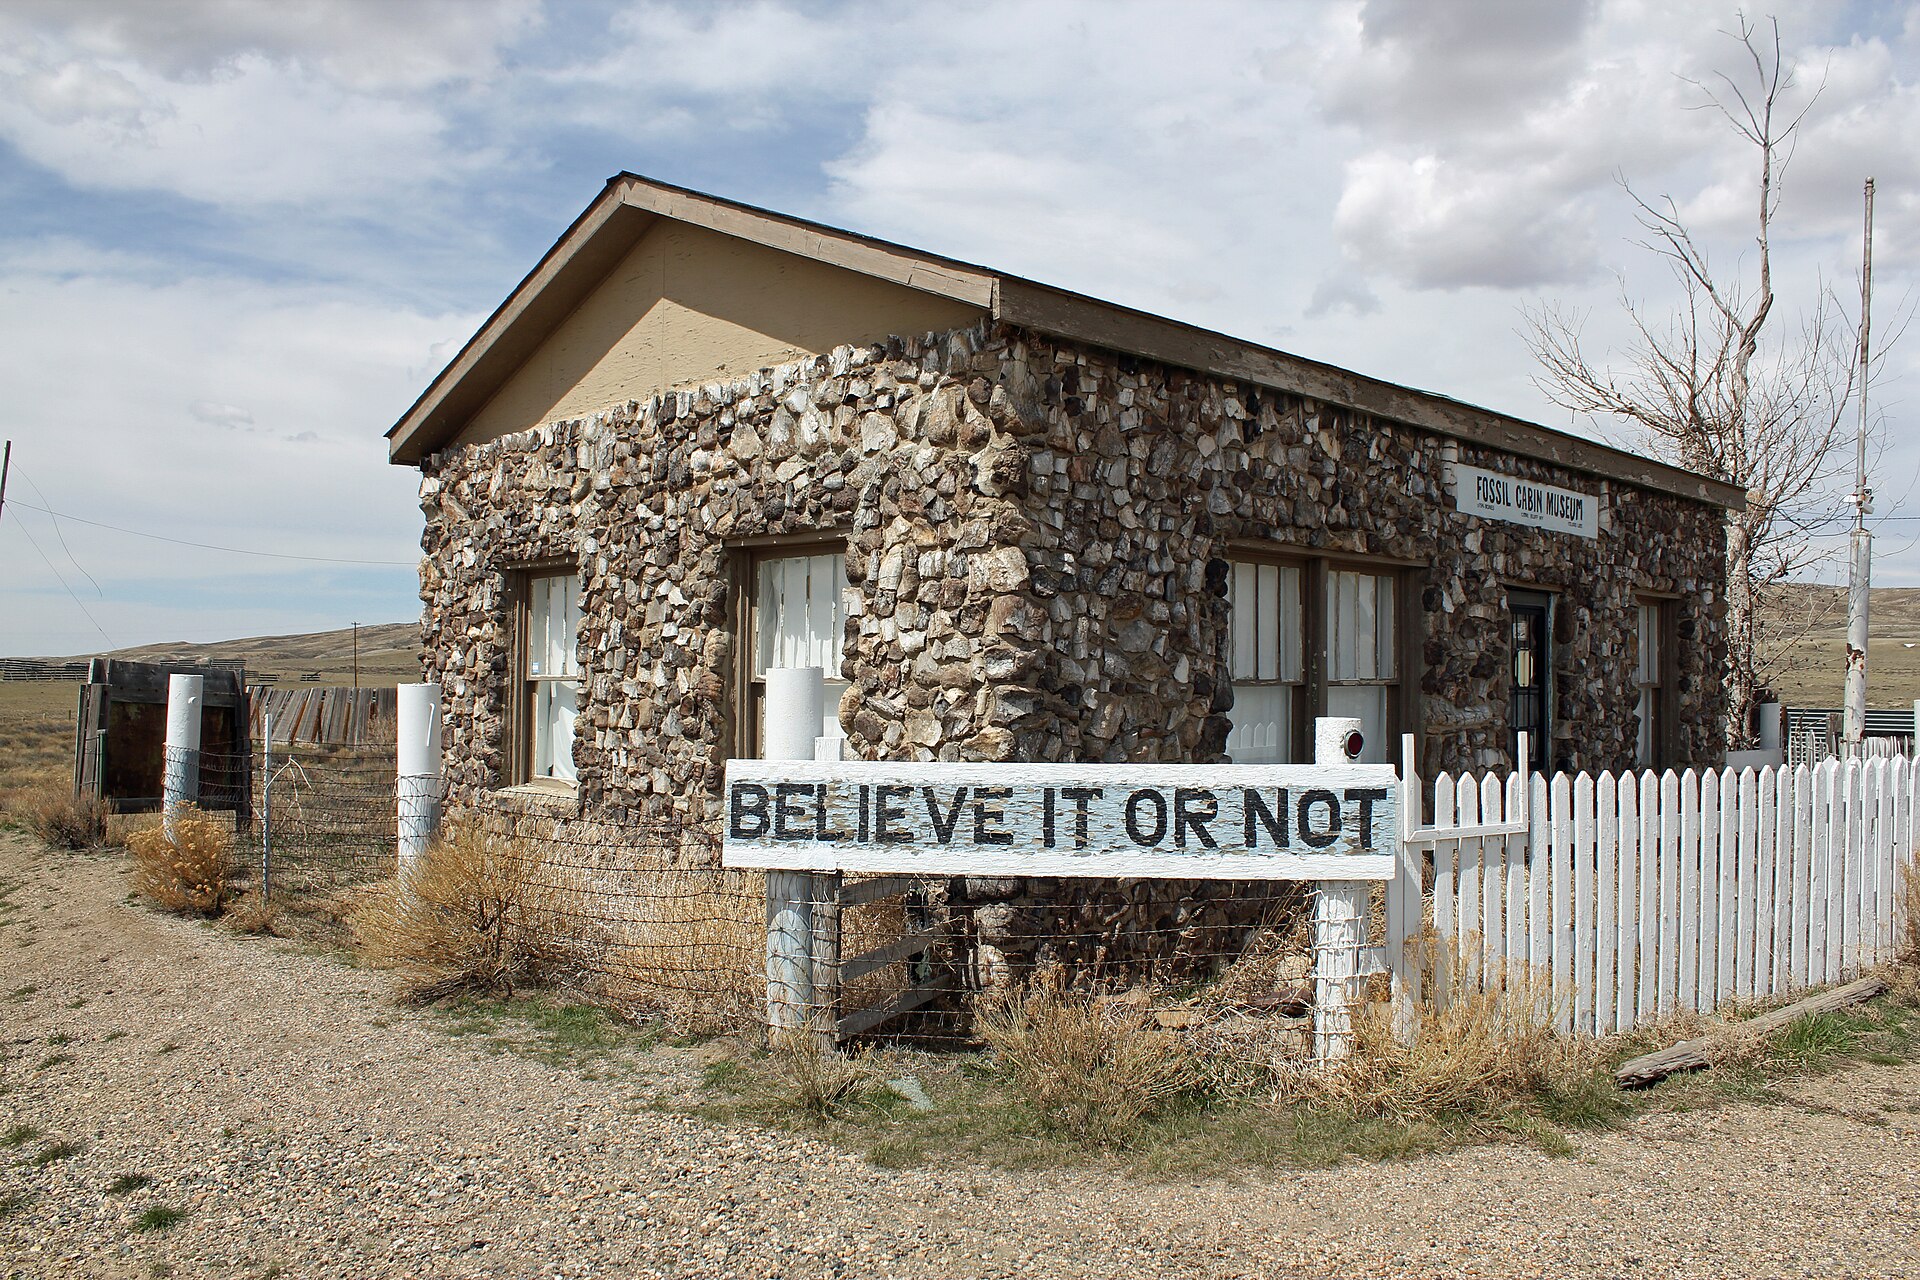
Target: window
pixel 550 676
pixel 1363 668
pixel 1269 677
pixel 1281 680
pixel 796 617
pixel 1649 680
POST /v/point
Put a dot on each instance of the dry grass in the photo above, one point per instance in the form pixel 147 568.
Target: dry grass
pixel 59 818
pixel 187 869
pixel 478 914
pixel 1477 1054
pixel 251 913
pixel 1904 978
pixel 691 947
pixel 798 1077
pixel 1090 1068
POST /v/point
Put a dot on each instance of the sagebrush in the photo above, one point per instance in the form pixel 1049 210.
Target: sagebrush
pixel 61 819
pixel 1090 1068
pixel 477 913
pixel 185 864
pixel 1475 1053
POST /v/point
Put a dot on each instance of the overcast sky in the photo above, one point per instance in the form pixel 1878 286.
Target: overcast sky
pixel 237 239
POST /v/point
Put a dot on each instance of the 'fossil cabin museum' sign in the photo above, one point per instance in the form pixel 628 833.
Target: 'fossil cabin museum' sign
pixel 1218 822
pixel 1542 506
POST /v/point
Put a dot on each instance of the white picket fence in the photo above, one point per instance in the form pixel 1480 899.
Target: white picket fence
pixel 1639 895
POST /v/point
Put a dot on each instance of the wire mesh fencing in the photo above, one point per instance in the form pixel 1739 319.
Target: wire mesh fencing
pixel 640 913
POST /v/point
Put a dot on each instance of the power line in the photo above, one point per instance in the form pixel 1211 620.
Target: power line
pixel 208 546
pixel 63 538
pixel 63 582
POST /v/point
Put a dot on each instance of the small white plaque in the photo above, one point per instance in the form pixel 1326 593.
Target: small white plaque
pixel 1493 496
pixel 1183 822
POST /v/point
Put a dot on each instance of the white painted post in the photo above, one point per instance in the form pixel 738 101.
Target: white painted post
pixel 418 724
pixel 1339 916
pixel 181 784
pixel 792 711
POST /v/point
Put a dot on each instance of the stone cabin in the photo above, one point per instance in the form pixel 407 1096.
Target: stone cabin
pixel 1012 523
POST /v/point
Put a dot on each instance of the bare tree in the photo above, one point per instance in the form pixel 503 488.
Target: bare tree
pixel 1720 389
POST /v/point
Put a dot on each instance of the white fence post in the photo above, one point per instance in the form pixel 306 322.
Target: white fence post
pixel 417 721
pixel 1339 917
pixel 792 709
pixel 181 783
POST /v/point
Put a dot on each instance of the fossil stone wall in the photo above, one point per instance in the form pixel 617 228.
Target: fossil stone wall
pixel 1037 543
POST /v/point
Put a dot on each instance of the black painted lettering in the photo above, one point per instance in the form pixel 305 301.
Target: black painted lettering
pixel 886 811
pixel 1255 814
pixel 747 805
pixel 1322 838
pixel 1193 809
pixel 943 824
pixel 821 831
pixel 1080 796
pixel 866 827
pixel 990 815
pixel 1147 799
pixel 787 810
pixel 1367 798
pixel 1046 816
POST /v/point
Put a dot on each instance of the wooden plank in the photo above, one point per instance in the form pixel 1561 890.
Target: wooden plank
pixel 1820 842
pixel 1728 897
pixel 1539 881
pixel 1843 800
pixel 1670 836
pixel 1606 883
pixel 1709 893
pixel 1513 850
pixel 912 998
pixel 1861 803
pixel 862 892
pixel 1649 915
pixel 1627 951
pixel 1687 992
pixel 1893 860
pixel 1694 1055
pixel 1756 898
pixel 1583 902
pixel 1561 804
pixel 1466 806
pixel 1446 897
pixel 1493 885
pixel 911 944
pixel 1799 918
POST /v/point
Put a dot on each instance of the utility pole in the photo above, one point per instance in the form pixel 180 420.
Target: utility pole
pixel 6 465
pixel 1860 542
pixel 356 655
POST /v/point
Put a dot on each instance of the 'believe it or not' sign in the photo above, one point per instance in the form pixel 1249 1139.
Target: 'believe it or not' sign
pixel 1187 822
pixel 1543 506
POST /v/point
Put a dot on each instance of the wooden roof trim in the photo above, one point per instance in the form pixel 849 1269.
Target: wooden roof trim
pixel 1117 328
pixel 629 204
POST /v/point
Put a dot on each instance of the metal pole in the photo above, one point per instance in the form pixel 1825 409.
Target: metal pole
pixel 266 806
pixel 6 465
pixel 1860 542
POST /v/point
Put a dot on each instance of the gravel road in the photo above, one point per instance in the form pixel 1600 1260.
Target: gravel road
pixel 306 1127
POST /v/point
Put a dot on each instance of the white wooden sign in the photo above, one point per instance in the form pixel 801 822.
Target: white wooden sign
pixel 1543 506
pixel 1187 822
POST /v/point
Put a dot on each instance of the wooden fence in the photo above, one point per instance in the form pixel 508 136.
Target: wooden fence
pixel 1640 895
pixel 326 717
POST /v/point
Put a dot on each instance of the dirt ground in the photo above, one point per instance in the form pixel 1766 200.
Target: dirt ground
pixel 305 1126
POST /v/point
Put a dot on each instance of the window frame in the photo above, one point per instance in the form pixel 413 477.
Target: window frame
pixel 517 589
pixel 1403 698
pixel 1666 686
pixel 742 731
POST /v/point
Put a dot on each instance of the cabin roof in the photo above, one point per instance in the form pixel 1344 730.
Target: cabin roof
pixel 630 204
